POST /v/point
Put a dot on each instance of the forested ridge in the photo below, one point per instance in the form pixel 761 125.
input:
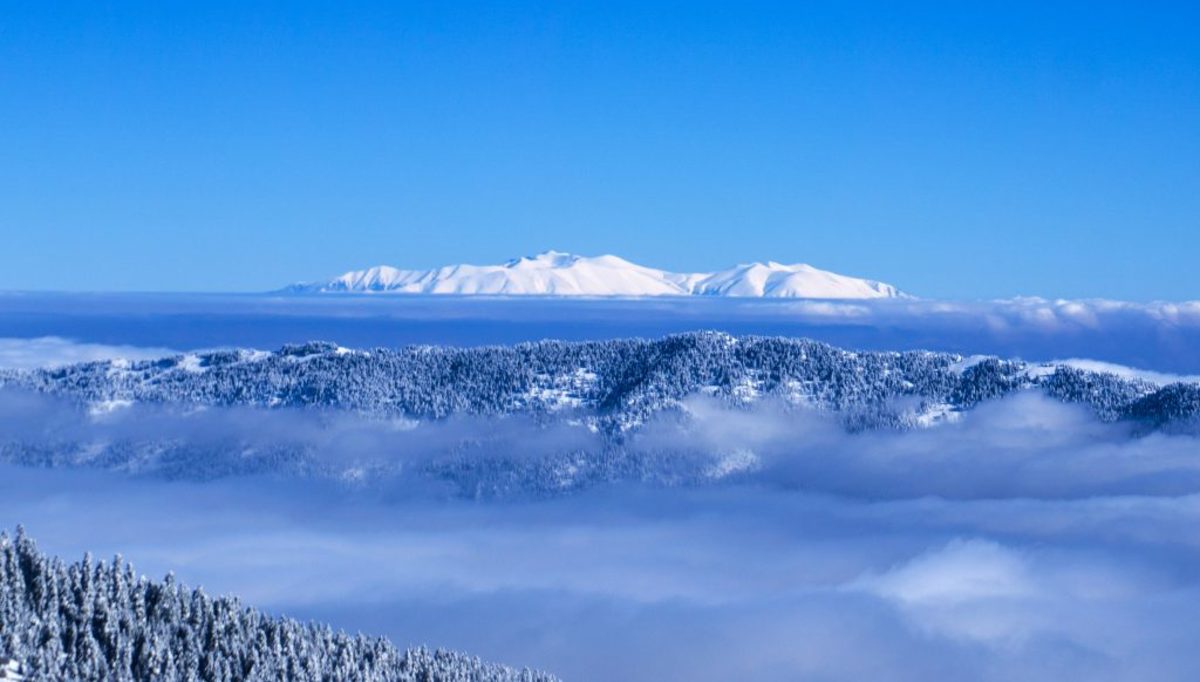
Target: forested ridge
pixel 540 418
pixel 619 382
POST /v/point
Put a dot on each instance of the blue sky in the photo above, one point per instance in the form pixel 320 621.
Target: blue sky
pixel 955 149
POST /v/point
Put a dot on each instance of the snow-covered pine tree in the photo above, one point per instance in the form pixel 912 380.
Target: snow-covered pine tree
pixel 100 621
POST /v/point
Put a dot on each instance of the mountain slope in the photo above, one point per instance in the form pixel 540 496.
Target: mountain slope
pixel 540 418
pixel 617 384
pixel 98 621
pixel 561 274
pixel 775 280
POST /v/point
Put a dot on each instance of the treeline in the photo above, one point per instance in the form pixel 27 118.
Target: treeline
pixel 101 621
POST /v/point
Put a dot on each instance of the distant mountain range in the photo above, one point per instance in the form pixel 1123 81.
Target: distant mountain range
pixel 562 274
pixel 615 384
pixel 539 418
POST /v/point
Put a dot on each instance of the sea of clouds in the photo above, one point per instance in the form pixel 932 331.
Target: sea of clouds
pixel 54 351
pixel 1025 540
pixel 1157 336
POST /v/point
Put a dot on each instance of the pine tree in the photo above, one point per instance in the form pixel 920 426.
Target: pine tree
pixel 98 621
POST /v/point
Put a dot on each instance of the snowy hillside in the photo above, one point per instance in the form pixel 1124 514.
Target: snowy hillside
pixel 615 384
pixel 776 280
pixel 545 417
pixel 561 274
pixel 102 621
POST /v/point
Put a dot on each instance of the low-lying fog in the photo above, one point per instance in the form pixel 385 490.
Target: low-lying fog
pixel 1026 541
pixel 1158 336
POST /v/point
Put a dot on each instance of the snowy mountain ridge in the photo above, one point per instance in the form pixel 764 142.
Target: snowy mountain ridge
pixel 620 382
pixel 532 419
pixel 553 273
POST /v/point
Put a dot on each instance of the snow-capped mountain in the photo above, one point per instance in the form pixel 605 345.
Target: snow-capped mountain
pixel 776 280
pixel 562 274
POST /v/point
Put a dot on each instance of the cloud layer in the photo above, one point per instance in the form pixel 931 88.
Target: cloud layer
pixel 1025 541
pixel 53 351
pixel 1157 336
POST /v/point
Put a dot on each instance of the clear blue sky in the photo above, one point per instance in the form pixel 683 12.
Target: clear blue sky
pixel 956 149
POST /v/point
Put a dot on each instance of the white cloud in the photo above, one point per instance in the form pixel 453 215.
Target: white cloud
pixel 53 351
pixel 963 571
pixel 1159 378
pixel 1025 541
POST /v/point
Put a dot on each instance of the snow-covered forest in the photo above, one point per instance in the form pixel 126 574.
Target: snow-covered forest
pixel 618 383
pixel 548 417
pixel 97 620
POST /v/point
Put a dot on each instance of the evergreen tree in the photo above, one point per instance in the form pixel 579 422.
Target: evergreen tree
pixel 97 621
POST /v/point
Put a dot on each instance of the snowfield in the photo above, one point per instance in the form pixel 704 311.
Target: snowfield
pixel 554 273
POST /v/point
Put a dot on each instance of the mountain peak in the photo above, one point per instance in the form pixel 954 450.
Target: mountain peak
pixel 558 273
pixel 549 256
